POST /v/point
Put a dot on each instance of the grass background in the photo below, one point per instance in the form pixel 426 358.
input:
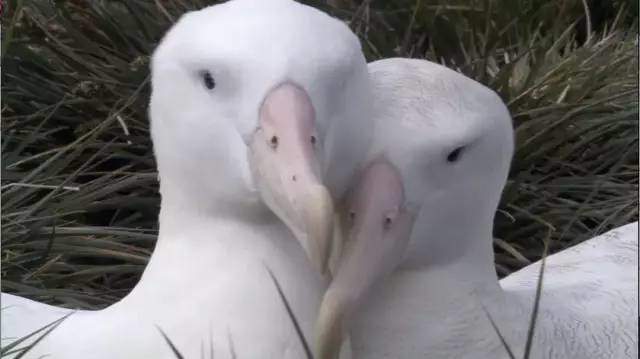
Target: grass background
pixel 79 187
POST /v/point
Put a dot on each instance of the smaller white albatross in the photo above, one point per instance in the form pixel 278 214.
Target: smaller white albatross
pixel 253 102
pixel 416 278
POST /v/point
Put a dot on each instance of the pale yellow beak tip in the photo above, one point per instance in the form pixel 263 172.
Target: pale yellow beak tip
pixel 319 222
pixel 329 328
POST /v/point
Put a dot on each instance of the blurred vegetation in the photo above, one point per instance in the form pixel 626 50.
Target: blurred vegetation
pixel 79 188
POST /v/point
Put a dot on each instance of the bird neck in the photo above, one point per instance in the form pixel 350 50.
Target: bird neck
pixel 471 272
pixel 198 246
pixel 210 274
pixel 459 296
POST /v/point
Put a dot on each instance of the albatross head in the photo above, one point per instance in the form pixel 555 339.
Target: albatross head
pixel 440 154
pixel 254 102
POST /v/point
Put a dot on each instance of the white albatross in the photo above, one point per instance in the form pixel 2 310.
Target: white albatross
pixel 251 103
pixel 440 158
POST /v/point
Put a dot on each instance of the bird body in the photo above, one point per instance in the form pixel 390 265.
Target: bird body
pixel 220 298
pixel 245 152
pixel 588 308
pixel 450 141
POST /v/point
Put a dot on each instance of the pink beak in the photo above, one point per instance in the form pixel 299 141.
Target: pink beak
pixel 377 228
pixel 286 164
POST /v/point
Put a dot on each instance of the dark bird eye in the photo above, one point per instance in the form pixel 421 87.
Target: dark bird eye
pixel 388 222
pixel 454 155
pixel 352 216
pixel 208 80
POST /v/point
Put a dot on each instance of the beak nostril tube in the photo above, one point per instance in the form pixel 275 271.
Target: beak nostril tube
pixel 274 142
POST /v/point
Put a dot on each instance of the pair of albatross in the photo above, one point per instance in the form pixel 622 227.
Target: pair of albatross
pixel 253 105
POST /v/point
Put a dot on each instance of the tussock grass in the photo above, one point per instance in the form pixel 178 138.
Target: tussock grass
pixel 79 187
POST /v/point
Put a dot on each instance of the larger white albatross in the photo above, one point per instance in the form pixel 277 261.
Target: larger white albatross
pixel 440 159
pixel 252 102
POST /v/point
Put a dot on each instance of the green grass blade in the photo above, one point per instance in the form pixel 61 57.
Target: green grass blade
pixel 506 346
pixel 12 347
pixel 292 316
pixel 174 349
pixel 536 302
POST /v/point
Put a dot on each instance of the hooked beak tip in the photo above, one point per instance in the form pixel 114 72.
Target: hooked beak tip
pixel 318 218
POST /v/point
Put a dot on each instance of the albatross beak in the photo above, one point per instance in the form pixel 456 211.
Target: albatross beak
pixel 377 228
pixel 284 159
